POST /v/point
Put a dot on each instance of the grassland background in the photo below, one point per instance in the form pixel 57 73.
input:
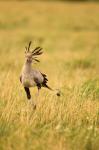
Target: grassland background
pixel 69 35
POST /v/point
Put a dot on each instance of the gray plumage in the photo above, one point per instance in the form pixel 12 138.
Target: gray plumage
pixel 31 77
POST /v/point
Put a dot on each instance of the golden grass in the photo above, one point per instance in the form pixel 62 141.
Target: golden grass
pixel 69 34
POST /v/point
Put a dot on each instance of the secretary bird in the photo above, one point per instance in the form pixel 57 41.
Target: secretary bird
pixel 32 77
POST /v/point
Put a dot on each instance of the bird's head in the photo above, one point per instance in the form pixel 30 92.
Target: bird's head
pixel 32 55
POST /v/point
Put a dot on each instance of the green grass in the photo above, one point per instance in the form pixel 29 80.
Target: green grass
pixel 69 35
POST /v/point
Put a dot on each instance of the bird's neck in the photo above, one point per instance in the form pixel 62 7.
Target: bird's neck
pixel 27 66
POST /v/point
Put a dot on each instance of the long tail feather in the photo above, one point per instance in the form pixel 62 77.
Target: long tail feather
pixel 44 84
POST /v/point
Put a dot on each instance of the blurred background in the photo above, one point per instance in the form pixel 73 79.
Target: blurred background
pixel 68 32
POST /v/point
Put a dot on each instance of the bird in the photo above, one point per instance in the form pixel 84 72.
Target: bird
pixel 31 77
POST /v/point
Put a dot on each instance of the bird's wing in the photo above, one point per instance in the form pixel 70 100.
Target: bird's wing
pixel 45 78
pixel 37 76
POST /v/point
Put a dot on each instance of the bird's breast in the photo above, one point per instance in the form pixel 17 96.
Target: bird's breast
pixel 28 82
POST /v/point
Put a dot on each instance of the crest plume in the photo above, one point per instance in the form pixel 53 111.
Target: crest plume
pixel 37 51
pixel 34 53
pixel 28 48
pixel 29 45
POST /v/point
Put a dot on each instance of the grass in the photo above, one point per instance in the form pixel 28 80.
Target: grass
pixel 69 35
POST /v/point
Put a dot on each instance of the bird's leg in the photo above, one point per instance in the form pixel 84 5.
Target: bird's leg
pixel 27 92
pixel 29 97
pixel 37 95
pixel 33 104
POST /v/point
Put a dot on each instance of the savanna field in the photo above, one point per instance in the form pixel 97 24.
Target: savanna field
pixel 69 35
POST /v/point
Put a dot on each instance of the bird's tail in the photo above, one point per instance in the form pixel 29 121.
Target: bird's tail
pixel 57 91
pixel 44 84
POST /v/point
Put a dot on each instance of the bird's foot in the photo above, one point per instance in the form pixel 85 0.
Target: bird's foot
pixel 32 105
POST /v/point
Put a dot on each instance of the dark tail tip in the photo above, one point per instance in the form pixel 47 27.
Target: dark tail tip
pixel 58 93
